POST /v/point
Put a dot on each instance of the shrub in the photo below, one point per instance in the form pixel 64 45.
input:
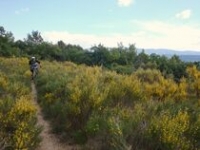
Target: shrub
pixel 17 112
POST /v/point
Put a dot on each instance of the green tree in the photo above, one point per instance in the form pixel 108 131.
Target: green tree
pixel 131 54
pixel 2 31
pixel 177 68
pixel 61 44
pixel 141 59
pixel 22 46
pixel 34 38
pixel 6 43
pixel 101 55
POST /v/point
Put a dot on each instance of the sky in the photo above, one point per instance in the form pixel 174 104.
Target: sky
pixel 166 24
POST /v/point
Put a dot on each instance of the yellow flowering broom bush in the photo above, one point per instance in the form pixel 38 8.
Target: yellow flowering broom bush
pixel 144 110
pixel 156 87
pixel 170 130
pixel 17 112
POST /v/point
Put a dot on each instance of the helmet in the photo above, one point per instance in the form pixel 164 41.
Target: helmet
pixel 33 58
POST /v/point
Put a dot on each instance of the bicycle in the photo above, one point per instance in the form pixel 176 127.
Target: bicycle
pixel 35 71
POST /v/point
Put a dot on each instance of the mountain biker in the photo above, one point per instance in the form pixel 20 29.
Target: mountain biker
pixel 34 65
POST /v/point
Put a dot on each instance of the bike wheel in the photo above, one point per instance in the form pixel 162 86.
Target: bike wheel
pixel 34 74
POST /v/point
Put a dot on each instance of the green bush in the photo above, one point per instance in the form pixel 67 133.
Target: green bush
pixel 17 112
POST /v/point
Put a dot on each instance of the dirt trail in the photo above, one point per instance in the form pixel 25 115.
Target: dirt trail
pixel 49 140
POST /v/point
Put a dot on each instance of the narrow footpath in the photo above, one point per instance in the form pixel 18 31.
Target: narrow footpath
pixel 49 140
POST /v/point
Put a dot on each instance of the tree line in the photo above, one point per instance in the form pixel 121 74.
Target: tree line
pixel 121 59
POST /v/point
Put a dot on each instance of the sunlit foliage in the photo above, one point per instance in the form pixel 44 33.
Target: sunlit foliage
pixel 144 110
pixel 17 112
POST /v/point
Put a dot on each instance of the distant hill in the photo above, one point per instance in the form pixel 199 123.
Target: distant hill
pixel 188 56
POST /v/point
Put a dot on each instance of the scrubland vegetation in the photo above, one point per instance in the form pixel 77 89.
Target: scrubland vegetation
pixel 99 98
pixel 143 110
pixel 18 129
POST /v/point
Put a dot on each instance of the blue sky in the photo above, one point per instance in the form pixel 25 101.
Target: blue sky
pixel 172 24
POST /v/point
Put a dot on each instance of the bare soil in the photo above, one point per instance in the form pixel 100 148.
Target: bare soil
pixel 49 140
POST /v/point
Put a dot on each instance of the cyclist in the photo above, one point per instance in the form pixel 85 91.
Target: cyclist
pixel 34 65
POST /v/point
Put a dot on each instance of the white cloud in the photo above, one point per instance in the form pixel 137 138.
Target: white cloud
pixel 124 3
pixel 152 34
pixel 186 14
pixel 84 40
pixel 159 34
pixel 23 10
